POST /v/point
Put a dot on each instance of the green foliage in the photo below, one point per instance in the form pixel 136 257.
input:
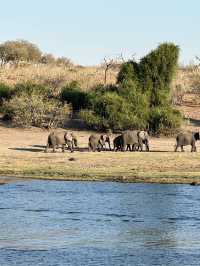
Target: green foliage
pixel 36 110
pixel 73 94
pixel 128 71
pixel 152 77
pixel 91 119
pixel 154 72
pixel 164 119
pixel 157 71
pixel 30 88
pixel 111 110
pixel 5 92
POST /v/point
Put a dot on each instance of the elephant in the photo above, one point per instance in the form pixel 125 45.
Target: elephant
pixel 96 143
pixel 118 143
pixel 184 139
pixel 135 139
pixel 55 140
pixel 143 138
pixel 106 138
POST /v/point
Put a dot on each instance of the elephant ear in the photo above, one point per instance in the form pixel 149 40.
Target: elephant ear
pixel 196 136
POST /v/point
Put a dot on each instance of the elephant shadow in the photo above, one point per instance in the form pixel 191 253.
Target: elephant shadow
pixel 27 149
pixel 41 148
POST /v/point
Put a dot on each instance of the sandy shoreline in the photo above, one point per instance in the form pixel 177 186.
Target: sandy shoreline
pixel 22 156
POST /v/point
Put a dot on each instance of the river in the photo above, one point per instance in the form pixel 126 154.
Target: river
pixel 55 223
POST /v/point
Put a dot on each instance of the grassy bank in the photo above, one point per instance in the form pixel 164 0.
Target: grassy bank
pixel 22 155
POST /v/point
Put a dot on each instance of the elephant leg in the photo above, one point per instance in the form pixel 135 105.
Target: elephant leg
pixel 63 147
pixel 140 145
pixel 70 146
pixel 176 147
pixel 99 148
pixel 194 148
pixel 47 147
pixel 124 147
pixel 54 148
pixel 128 147
pixel 89 147
pixel 134 147
pixel 109 146
pixel 94 148
pixel 147 145
pixel 182 148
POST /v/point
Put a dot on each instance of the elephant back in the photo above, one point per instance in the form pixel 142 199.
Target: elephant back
pixel 185 139
pixel 130 137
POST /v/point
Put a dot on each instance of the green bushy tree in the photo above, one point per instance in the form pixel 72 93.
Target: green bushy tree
pixel 74 95
pixel 5 92
pixel 152 77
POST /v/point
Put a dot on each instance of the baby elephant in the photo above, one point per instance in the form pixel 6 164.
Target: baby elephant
pixel 96 143
pixel 184 139
pixel 56 140
pixel 106 139
pixel 118 143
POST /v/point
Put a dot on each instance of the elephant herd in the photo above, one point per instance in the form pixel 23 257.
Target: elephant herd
pixel 132 140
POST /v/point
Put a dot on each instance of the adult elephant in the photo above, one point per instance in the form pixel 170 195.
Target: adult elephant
pixel 96 143
pixel 56 140
pixel 136 139
pixel 184 139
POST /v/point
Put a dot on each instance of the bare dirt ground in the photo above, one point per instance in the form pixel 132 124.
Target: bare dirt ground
pixel 22 155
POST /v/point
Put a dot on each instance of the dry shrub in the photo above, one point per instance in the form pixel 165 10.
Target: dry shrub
pixel 36 110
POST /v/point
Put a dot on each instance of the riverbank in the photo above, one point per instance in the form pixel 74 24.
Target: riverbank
pixel 22 156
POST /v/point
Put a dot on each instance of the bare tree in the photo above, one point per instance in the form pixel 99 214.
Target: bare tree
pixel 108 64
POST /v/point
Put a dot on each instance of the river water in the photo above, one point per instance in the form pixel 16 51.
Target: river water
pixel 93 223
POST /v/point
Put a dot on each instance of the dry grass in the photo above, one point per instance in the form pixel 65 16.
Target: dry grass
pixel 22 155
pixel 56 76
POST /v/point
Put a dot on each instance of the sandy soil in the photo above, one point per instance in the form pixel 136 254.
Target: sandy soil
pixel 22 155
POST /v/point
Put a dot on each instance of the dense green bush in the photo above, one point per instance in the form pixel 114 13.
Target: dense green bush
pixel 5 92
pixel 128 71
pixel 152 77
pixel 74 95
pixel 92 120
pixel 110 110
pixel 164 120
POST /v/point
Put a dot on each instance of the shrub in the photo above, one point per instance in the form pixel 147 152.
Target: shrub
pixel 16 51
pixel 156 72
pixel 47 59
pixel 5 92
pixel 64 61
pixel 164 120
pixel 36 110
pixel 73 94
pixel 128 71
pixel 92 120
pixel 29 88
pixel 111 110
